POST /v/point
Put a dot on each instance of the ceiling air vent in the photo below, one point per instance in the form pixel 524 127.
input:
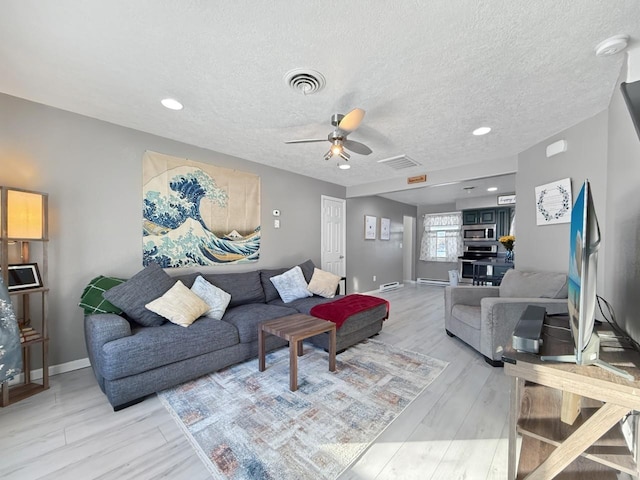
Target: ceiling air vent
pixel 305 81
pixel 400 162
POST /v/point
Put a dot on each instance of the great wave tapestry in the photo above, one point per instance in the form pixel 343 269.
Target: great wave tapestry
pixel 198 214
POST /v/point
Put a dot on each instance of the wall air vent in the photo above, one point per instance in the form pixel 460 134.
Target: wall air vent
pixel 399 162
pixel 305 81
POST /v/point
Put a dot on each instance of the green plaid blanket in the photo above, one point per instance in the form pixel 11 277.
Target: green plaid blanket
pixel 92 300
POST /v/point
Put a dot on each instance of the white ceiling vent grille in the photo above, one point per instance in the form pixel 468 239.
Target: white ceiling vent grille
pixel 305 81
pixel 400 162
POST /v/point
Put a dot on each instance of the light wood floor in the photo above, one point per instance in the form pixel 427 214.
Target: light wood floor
pixel 456 429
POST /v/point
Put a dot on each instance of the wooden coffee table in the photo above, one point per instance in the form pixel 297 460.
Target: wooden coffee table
pixel 294 329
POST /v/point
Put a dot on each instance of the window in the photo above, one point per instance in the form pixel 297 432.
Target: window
pixel 441 240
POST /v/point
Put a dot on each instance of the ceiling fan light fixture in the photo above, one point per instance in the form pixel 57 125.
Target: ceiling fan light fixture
pixel 336 148
pixel 344 155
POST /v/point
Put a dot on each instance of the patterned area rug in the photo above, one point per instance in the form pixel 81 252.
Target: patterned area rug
pixel 247 424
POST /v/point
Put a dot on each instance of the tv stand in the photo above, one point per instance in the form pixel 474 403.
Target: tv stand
pixel 590 356
pixel 569 416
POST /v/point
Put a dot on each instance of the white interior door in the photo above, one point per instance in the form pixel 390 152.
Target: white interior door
pixel 408 248
pixel 333 231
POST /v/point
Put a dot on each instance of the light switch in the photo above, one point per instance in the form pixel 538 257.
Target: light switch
pixel 276 223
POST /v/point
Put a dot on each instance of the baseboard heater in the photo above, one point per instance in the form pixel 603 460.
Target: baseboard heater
pixel 430 281
pixel 385 287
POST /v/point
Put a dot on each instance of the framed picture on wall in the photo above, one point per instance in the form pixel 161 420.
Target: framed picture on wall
pixel 553 202
pixel 24 276
pixel 370 227
pixel 385 228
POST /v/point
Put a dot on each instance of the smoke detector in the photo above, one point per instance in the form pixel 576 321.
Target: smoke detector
pixel 612 45
pixel 305 81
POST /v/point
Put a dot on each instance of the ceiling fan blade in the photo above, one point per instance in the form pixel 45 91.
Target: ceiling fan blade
pixel 351 120
pixel 357 147
pixel 307 140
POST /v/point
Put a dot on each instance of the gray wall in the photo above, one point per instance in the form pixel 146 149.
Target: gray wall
pixel 546 247
pixel 432 270
pixel 92 171
pixel 382 258
pixel 622 227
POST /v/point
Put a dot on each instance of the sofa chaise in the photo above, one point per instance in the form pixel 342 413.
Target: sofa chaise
pixel 131 361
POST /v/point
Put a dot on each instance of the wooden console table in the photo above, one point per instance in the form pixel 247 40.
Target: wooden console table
pixel 588 442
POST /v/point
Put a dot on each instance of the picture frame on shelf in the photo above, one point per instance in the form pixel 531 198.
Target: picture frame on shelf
pixel 370 224
pixel 385 228
pixel 24 276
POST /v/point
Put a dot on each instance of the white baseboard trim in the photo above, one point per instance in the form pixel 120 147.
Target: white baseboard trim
pixel 54 370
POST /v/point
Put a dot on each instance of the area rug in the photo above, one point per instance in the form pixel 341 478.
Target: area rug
pixel 247 424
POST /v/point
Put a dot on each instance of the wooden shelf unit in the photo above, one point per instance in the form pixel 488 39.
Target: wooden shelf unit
pixel 593 446
pixel 31 335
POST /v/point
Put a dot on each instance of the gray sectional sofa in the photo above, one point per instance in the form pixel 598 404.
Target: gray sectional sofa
pixel 131 361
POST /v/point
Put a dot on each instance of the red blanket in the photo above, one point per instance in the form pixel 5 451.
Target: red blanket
pixel 339 310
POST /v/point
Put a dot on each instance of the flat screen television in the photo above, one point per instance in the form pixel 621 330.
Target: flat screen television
pixel 584 242
pixel 631 95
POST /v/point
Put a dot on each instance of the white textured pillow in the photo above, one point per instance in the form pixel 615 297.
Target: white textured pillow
pixel 179 305
pixel 291 285
pixel 217 299
pixel 324 283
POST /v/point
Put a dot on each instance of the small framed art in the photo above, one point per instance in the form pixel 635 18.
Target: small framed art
pixel 370 227
pixel 385 228
pixel 24 276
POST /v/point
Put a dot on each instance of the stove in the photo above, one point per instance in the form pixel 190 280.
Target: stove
pixel 474 251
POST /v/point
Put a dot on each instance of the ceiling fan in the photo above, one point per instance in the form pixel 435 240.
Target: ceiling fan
pixel 345 124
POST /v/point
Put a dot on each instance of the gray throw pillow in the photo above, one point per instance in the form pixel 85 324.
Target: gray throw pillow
pixel 145 286
pixel 270 291
pixel 307 269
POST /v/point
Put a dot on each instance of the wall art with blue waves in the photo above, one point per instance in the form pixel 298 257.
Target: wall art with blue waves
pixel 198 214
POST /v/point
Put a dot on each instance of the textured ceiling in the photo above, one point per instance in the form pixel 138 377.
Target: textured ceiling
pixel 427 73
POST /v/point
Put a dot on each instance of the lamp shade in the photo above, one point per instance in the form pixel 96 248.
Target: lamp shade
pixel 25 215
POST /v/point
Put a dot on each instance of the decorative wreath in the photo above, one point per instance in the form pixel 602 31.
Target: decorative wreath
pixel 566 204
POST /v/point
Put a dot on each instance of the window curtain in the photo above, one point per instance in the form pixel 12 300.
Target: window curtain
pixel 448 224
pixel 10 348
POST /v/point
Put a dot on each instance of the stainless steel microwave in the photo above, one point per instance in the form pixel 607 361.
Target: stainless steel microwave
pixel 479 233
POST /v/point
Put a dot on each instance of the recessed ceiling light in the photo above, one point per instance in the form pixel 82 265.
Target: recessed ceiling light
pixel 171 104
pixel 492 189
pixel 344 166
pixel 481 131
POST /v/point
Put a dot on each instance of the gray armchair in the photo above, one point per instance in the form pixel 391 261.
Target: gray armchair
pixel 484 317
